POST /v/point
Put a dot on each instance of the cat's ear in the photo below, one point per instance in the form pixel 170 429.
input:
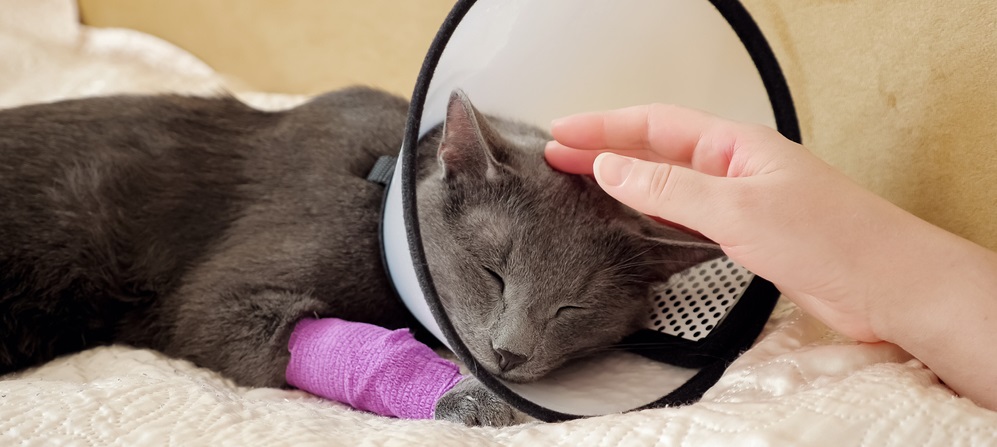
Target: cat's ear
pixel 673 250
pixel 464 148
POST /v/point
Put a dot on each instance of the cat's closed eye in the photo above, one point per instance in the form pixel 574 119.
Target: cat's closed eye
pixel 565 309
pixel 498 278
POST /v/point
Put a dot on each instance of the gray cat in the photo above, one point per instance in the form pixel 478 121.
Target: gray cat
pixel 206 229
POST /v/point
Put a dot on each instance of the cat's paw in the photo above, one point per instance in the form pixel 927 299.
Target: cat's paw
pixel 471 403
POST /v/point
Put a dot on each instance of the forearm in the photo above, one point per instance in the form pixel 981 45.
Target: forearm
pixel 948 318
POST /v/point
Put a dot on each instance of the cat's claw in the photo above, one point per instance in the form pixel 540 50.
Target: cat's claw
pixel 471 403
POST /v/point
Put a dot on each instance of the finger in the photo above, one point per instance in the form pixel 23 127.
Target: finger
pixel 566 159
pixel 655 127
pixel 673 193
pixel 679 135
pixel 575 161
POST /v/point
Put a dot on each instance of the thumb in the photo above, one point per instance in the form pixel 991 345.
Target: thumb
pixel 673 193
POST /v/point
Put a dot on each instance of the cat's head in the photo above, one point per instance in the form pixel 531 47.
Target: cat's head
pixel 535 267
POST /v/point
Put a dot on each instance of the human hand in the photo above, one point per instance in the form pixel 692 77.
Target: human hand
pixel 861 265
pixel 771 206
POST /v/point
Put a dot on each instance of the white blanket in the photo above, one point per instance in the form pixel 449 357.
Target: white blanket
pixel 800 384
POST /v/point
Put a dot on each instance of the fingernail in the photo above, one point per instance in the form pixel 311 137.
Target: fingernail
pixel 612 169
pixel 557 122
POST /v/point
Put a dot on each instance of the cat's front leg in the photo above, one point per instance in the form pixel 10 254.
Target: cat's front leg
pixel 471 403
pixel 241 332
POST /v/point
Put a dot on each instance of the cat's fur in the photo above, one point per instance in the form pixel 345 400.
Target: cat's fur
pixel 205 229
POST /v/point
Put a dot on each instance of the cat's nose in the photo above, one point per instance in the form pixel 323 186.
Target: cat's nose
pixel 509 359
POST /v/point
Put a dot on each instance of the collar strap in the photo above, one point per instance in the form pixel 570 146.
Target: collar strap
pixel 383 169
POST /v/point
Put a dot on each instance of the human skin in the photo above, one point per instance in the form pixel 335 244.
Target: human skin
pixel 863 266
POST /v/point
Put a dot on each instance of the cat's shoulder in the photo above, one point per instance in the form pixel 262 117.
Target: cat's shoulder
pixel 360 95
pixel 357 99
pixel 357 113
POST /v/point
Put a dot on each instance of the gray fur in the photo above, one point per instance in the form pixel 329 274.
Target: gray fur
pixel 198 227
pixel 576 266
pixel 470 403
pixel 205 229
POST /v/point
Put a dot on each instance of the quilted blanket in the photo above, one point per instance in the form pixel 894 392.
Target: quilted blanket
pixel 799 384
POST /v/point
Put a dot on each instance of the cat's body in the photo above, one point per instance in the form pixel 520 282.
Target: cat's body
pixel 206 229
pixel 198 227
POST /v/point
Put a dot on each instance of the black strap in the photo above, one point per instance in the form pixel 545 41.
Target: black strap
pixel 383 169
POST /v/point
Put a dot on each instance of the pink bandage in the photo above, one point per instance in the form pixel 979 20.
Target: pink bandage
pixel 368 367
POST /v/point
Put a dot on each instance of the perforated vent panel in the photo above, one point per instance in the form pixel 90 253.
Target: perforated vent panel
pixel 695 301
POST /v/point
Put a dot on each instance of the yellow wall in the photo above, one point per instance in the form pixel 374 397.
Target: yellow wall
pixel 290 46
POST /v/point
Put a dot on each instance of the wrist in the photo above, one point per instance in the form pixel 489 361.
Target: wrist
pixel 897 264
pixel 937 280
pixel 950 326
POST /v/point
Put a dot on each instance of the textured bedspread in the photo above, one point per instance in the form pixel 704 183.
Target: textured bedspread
pixel 800 384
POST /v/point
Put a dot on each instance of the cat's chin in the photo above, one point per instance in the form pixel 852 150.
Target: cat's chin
pixel 520 375
pixel 527 372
